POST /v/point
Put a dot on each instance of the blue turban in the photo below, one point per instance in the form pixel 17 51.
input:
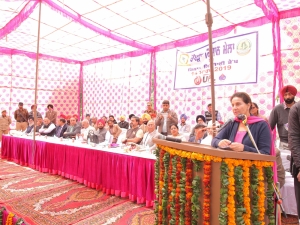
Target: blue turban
pixel 184 116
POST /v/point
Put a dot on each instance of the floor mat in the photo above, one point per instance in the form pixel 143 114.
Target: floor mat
pixel 13 170
pixel 29 184
pixel 126 213
pixel 64 205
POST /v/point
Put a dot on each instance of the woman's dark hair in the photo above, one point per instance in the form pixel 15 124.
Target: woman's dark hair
pixel 243 95
pixel 175 125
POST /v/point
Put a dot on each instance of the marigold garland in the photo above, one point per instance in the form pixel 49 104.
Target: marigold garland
pixel 178 192
pixel 224 194
pixel 262 196
pixel 196 185
pixel 246 191
pixel 1 214
pixel 9 220
pixel 270 195
pixel 206 193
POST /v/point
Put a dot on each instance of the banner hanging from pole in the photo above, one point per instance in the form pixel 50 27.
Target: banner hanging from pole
pixel 235 62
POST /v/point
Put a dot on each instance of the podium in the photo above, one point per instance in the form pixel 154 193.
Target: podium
pixel 199 184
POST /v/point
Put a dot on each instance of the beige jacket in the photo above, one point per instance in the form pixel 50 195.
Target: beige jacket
pixel 4 123
pixel 170 121
pixel 51 116
pixel 115 131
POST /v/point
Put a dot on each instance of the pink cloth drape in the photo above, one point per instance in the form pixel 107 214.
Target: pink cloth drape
pixel 114 174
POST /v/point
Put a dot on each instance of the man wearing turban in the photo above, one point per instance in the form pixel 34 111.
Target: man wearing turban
pixel 123 124
pixel 145 118
pixel 280 114
pixel 183 126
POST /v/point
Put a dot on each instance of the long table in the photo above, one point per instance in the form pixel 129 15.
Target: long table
pixel 108 169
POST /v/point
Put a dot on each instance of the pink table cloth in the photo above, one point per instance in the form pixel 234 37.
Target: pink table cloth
pixel 113 173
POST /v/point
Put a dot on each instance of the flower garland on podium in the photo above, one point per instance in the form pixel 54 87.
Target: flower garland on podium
pixel 178 192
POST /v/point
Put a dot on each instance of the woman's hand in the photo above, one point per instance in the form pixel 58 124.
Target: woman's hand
pixel 238 147
pixel 224 143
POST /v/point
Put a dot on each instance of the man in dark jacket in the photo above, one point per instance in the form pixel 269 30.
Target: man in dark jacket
pixel 294 146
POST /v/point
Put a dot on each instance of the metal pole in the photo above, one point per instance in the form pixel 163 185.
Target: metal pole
pixel 209 22
pixel 36 78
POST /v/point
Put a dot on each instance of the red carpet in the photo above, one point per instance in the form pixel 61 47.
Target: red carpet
pixel 64 205
pixel 29 184
pixel 43 199
pixel 125 213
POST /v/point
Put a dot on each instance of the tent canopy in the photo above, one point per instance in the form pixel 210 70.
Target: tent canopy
pixel 90 29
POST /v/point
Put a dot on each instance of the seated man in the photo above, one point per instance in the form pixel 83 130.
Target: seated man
pixel 183 126
pixel 39 123
pixel 48 128
pixel 101 132
pixel 33 108
pixel 211 129
pixel 123 124
pixel 144 119
pixel 72 129
pixel 152 133
pixel 61 127
pixel 86 128
pixel 30 127
pixel 199 133
pixel 114 130
pixel 134 134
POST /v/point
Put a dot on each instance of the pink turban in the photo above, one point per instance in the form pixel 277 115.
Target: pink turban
pixel 101 121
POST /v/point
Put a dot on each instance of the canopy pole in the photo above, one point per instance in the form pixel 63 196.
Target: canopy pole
pixel 209 22
pixel 36 79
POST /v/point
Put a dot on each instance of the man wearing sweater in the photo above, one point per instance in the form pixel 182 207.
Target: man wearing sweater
pixel 279 115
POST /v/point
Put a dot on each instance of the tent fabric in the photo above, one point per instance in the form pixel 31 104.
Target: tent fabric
pixel 117 87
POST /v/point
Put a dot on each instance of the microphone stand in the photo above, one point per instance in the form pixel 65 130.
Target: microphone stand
pixel 278 198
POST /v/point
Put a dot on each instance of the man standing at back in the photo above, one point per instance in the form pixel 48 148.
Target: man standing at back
pixel 280 114
pixel 51 114
pixel 5 121
pixel 208 114
pixel 165 119
pixel 21 116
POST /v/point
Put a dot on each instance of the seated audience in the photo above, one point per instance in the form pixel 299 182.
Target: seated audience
pixel 61 127
pixel 235 136
pixel 183 126
pixel 148 137
pixel 199 133
pixel 93 121
pixel 86 128
pixel 255 111
pixel 134 134
pixel 33 108
pixel 175 133
pixel 30 127
pixel 123 124
pixel 101 132
pixel 112 118
pixel 72 129
pixel 145 118
pixel 200 119
pixel 114 130
pixel 210 130
pixel 48 129
pixel 39 123
pixel 130 116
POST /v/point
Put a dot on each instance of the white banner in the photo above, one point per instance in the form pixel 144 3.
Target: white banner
pixel 235 62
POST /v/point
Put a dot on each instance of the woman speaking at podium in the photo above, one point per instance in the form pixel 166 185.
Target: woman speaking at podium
pixel 246 133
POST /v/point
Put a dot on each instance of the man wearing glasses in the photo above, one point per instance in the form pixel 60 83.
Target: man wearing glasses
pixel 72 129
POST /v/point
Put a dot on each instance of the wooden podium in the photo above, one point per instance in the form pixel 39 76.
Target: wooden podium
pixel 199 184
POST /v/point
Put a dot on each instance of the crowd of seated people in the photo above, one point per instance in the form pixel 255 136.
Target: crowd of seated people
pixel 142 129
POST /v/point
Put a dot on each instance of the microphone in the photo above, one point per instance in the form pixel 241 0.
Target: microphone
pixel 229 121
pixel 163 137
pixel 243 117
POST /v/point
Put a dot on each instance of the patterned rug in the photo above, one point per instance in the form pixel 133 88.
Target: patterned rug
pixel 12 170
pixel 29 184
pixel 126 213
pixel 64 205
pixel 290 220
